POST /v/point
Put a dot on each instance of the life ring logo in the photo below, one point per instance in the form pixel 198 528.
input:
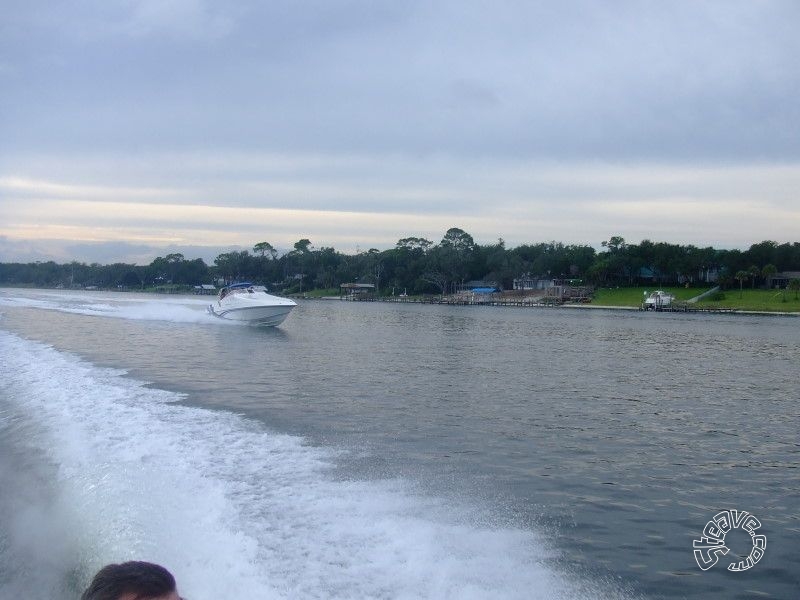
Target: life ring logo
pixel 708 548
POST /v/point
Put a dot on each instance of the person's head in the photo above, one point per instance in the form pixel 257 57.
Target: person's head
pixel 133 580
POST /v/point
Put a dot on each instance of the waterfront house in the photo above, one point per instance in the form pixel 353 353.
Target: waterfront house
pixel 781 280
pixel 205 289
pixel 357 291
pixel 528 282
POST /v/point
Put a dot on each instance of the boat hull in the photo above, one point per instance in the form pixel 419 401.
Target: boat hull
pixel 249 303
pixel 265 316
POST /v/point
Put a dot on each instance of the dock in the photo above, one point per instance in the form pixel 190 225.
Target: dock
pixel 687 307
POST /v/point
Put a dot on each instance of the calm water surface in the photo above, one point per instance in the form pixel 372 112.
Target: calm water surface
pixel 584 448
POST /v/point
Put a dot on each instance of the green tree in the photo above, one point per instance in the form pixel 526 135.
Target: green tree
pixel 617 263
pixel 754 272
pixel 328 260
pixel 303 246
pixel 158 271
pixel 438 278
pixel 455 253
pixel 600 271
pixel 762 253
pixel 234 265
pixel 173 261
pixel 414 243
pixel 615 244
pixel 410 260
pixel 264 248
pixel 299 263
pixel 459 240
pixel 375 267
pixel 741 277
pixel 131 280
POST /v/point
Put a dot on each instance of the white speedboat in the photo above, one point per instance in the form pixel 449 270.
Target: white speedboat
pixel 251 304
pixel 657 300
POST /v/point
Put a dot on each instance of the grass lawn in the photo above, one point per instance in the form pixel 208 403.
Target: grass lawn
pixel 634 296
pixel 322 292
pixel 757 300
pixel 760 300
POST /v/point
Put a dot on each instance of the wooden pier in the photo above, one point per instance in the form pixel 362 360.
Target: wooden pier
pixel 539 301
pixel 687 307
pixel 536 302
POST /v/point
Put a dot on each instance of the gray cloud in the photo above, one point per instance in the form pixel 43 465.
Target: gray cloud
pixel 528 120
pixel 63 251
pixel 678 80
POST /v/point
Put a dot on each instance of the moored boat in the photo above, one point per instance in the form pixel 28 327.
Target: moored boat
pixel 657 300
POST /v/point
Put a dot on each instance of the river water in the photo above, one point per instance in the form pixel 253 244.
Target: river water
pixel 372 450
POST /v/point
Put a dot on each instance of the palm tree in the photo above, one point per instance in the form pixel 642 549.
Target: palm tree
pixel 741 277
pixel 754 272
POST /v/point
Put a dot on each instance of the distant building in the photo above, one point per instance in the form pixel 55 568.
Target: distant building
pixel 527 282
pixel 781 280
pixel 205 289
pixel 357 291
pixel 478 286
pixel 647 274
pixel 709 275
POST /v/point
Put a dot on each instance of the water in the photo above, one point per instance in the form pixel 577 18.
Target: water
pixel 393 451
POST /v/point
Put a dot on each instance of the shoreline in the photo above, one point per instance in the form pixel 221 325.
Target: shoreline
pixel 587 306
pixel 733 311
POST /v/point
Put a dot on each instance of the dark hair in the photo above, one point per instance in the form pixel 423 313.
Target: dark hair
pixel 144 579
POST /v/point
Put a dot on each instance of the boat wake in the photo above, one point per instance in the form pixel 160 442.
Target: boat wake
pixel 176 310
pixel 233 509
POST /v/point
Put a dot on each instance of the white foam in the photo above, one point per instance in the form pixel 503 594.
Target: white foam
pixel 237 511
pixel 119 306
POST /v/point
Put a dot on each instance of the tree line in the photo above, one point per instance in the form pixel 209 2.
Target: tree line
pixel 417 265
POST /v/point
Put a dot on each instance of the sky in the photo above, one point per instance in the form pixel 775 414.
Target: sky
pixel 130 129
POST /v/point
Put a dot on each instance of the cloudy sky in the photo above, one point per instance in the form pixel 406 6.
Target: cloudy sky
pixel 133 128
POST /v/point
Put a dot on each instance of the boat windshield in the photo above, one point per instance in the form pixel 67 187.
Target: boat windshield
pixel 241 288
